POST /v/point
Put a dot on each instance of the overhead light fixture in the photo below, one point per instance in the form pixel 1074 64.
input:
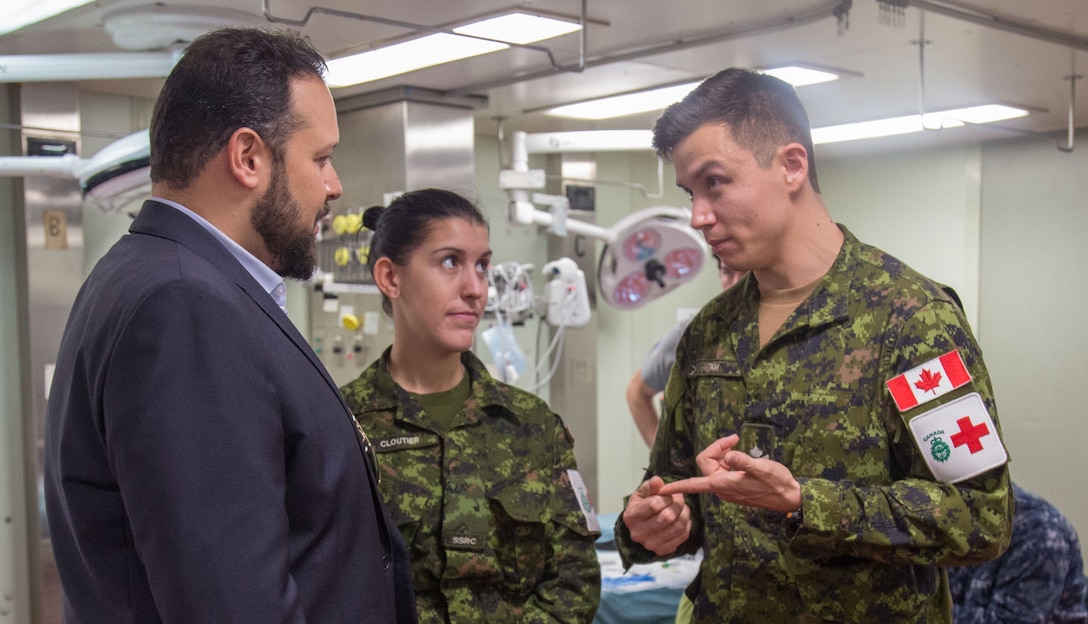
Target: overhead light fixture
pixel 483 37
pixel 954 118
pixel 16 14
pixel 660 97
pixel 625 104
pixel 802 75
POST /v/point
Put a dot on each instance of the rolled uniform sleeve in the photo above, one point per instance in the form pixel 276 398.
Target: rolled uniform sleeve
pixel 915 518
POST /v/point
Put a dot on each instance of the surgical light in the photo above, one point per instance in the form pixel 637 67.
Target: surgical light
pixel 651 252
pixel 17 14
pixel 115 178
pixel 475 39
pixel 916 123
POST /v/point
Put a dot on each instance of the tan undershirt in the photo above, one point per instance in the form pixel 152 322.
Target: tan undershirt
pixel 775 306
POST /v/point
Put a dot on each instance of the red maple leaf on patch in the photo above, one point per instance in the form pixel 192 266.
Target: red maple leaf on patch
pixel 928 381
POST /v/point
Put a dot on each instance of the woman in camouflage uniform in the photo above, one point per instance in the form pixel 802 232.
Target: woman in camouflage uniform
pixel 479 476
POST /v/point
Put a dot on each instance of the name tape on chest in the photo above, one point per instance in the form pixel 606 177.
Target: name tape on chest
pixel 582 494
pixel 924 383
pixel 958 439
pixel 399 442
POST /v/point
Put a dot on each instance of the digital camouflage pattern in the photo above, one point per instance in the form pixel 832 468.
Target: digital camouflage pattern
pixel 494 530
pixel 876 526
pixel 1039 579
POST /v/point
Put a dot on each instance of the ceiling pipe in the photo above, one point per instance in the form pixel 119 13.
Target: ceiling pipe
pixel 430 29
pixel 73 67
pixel 838 9
pixel 969 13
pixel 1072 78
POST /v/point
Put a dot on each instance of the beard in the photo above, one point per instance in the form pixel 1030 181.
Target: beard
pixel 275 218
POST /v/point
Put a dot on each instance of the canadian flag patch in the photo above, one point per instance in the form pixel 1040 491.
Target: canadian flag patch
pixel 958 439
pixel 923 383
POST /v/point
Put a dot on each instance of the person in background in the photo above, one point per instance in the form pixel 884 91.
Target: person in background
pixel 201 466
pixel 649 380
pixel 831 439
pixel 480 476
pixel 1038 580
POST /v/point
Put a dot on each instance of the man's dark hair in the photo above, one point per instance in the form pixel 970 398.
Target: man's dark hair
pixel 227 79
pixel 761 111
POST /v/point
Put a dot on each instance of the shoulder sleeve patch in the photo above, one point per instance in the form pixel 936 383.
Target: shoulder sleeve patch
pixel 958 439
pixel 582 495
pixel 932 379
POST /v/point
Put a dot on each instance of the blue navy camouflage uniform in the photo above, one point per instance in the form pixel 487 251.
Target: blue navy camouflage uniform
pixel 875 526
pixel 1039 579
pixel 495 531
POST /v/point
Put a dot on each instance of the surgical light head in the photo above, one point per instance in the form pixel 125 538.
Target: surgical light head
pixel 119 175
pixel 652 252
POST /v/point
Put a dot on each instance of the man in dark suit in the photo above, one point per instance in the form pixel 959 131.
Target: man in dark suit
pixel 200 464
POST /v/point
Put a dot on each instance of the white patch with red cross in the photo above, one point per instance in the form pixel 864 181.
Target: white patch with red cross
pixel 958 439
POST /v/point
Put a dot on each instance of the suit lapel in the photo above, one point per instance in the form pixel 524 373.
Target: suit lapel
pixel 164 221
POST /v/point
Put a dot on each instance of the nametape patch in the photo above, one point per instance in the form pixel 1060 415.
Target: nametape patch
pixel 582 494
pixel 924 383
pixel 395 443
pixel 959 439
pixel 475 542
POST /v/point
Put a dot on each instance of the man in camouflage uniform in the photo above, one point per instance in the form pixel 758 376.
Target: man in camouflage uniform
pixel 1039 579
pixel 811 487
pixel 497 531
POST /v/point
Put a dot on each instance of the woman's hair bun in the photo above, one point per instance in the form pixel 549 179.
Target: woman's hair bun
pixel 371 217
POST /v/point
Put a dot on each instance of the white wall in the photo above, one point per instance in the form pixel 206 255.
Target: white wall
pixel 1034 296
pixel 920 206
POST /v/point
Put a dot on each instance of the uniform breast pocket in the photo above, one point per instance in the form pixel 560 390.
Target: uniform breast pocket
pixel 520 512
pixel 718 398
pixel 838 437
pixel 411 480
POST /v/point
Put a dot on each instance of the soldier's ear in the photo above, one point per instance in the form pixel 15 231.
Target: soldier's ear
pixel 387 278
pixel 794 161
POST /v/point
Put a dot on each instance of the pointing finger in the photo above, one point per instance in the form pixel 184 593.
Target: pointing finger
pixel 694 485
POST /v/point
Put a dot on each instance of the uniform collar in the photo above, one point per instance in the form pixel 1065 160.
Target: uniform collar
pixel 487 394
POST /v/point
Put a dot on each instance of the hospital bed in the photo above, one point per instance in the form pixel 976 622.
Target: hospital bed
pixel 645 594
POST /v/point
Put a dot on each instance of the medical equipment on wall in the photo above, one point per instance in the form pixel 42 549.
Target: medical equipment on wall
pixel 115 178
pixel 646 254
pixel 511 301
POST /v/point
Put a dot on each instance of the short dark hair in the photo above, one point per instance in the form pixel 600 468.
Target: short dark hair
pixel 761 111
pixel 227 79
pixel 403 226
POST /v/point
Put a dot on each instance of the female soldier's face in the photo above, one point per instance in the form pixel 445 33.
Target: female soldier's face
pixel 443 288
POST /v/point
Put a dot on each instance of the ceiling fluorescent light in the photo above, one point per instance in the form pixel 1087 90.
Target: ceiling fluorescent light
pixel 16 14
pixel 660 98
pixel 439 48
pixel 799 76
pixel 626 104
pixel 916 123
pixel 519 28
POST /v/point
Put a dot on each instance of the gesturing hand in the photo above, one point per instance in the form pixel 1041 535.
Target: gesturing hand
pixel 661 523
pixel 736 477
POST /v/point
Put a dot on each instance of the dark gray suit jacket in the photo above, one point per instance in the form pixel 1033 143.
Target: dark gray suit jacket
pixel 200 464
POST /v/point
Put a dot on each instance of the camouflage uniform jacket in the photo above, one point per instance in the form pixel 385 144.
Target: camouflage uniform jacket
pixel 1039 579
pixel 494 529
pixel 876 525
